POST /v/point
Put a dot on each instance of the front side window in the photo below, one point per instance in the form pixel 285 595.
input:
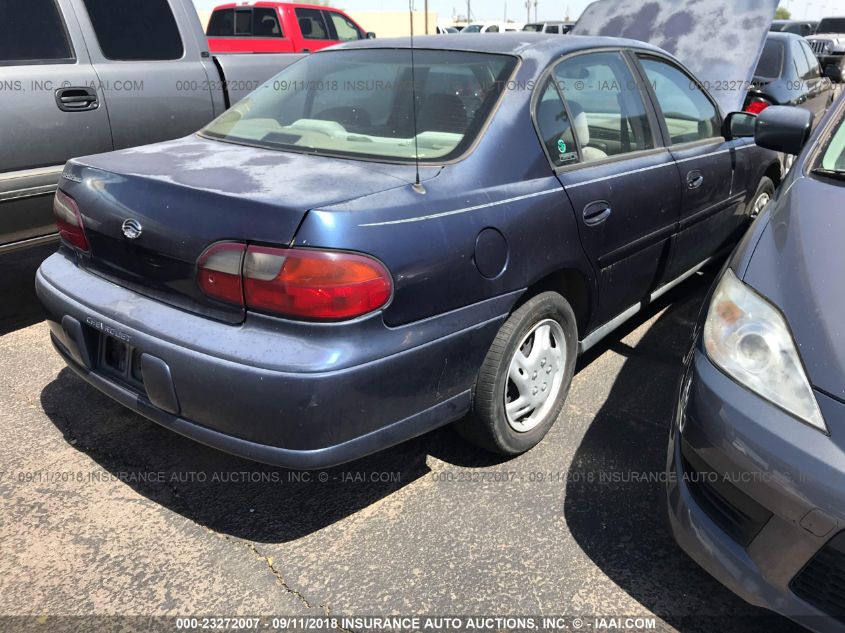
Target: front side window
pixel 555 127
pixel 552 29
pixel 689 114
pixel 606 104
pixel 265 23
pixel 129 30
pixel 33 31
pixel 833 157
pixel 312 25
pixel 345 29
pixel 359 103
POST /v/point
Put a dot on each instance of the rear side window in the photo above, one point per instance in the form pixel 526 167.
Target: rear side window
pixel 555 127
pixel 33 31
pixel 221 24
pixel 815 69
pixel 606 105
pixel 344 28
pixel 129 30
pixel 552 29
pixel 690 115
pixel 771 61
pixel 802 67
pixel 312 24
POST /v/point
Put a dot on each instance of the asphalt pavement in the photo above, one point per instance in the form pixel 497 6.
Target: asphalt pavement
pixel 103 512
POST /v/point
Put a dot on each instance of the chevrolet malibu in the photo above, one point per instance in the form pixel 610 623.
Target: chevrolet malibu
pixel 757 457
pixel 378 243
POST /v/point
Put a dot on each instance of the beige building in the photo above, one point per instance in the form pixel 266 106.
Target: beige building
pixel 382 23
pixel 394 24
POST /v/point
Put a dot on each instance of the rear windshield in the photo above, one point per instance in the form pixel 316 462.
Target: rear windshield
pixel 359 103
pixel 771 61
pixel 831 25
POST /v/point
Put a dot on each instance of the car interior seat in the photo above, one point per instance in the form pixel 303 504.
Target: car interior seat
pixel 443 112
pixel 582 131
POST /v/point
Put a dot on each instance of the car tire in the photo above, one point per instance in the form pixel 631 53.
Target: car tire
pixel 544 377
pixel 765 192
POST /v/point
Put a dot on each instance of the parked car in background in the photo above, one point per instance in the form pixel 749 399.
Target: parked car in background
pixel 795 26
pixel 283 285
pixel 828 42
pixel 757 451
pixel 89 76
pixel 493 27
pixel 447 30
pixel 279 27
pixel 559 27
pixel 789 75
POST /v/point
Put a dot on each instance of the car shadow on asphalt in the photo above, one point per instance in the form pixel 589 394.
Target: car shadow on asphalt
pixel 615 505
pixel 19 307
pixel 238 497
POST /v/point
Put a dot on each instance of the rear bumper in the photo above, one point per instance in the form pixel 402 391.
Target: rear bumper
pixel 781 506
pixel 292 395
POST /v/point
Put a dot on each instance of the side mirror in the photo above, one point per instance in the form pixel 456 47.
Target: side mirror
pixel 784 129
pixel 833 72
pixel 739 125
pixel 371 35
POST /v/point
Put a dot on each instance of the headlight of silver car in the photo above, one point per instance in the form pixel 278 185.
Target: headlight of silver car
pixel 750 340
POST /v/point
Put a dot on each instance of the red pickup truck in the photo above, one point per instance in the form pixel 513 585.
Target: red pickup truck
pixel 279 27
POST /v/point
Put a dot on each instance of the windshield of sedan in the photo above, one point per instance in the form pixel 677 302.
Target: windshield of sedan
pixel 359 103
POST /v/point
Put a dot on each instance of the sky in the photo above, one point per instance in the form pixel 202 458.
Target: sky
pixel 547 9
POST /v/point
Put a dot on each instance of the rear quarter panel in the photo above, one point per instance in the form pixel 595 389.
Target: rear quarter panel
pixel 428 241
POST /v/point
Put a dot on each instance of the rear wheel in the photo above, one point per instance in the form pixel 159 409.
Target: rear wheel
pixel 765 192
pixel 525 377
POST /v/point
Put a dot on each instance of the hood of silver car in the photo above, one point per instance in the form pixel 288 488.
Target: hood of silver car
pixel 798 266
pixel 720 41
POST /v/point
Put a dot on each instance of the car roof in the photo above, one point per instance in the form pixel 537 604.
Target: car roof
pixel 518 43
pixel 783 36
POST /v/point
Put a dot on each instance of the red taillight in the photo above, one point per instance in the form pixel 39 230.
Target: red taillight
pixel 219 272
pixel 69 221
pixel 757 105
pixel 314 285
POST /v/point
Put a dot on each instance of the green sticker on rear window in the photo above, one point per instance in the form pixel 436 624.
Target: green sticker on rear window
pixel 561 145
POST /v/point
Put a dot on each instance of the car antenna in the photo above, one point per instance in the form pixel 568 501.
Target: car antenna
pixel 418 187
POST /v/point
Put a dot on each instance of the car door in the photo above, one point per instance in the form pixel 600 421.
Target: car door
pixel 153 80
pixel 343 29
pixel 622 184
pixel 315 29
pixel 712 210
pixel 49 113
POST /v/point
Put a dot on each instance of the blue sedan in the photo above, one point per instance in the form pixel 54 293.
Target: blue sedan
pixel 379 242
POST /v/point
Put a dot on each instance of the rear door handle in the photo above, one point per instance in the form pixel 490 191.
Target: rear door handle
pixel 77 99
pixel 597 212
pixel 695 179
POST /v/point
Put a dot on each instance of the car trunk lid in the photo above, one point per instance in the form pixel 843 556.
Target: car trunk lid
pixel 185 195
